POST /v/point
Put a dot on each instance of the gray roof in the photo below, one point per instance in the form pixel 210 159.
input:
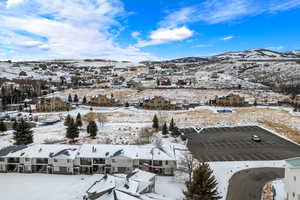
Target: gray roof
pixel 11 149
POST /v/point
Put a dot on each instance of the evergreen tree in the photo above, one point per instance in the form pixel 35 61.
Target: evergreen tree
pixel 78 120
pixel 92 128
pixel 84 100
pixel 203 185
pixel 76 98
pixel 175 131
pixel 15 125
pixel 155 122
pixel 22 133
pixel 72 130
pixel 70 98
pixel 172 125
pixel 67 120
pixel 2 126
pixel 165 129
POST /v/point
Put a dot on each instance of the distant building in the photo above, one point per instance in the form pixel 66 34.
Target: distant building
pixel 103 100
pixel 292 178
pixel 157 103
pixel 229 100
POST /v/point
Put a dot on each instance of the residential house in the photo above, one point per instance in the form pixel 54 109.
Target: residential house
pixel 292 178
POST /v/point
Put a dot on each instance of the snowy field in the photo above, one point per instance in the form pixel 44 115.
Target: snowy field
pixel 123 125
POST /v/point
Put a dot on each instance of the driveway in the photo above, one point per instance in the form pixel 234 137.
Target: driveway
pixel 247 184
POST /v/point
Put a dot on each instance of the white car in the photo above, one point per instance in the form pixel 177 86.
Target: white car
pixel 255 138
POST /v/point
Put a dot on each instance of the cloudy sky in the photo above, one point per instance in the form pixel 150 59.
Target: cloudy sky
pixel 144 29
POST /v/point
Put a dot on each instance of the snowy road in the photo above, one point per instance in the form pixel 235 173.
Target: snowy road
pixel 247 184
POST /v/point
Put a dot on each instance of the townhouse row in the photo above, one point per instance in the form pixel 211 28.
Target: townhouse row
pixel 86 159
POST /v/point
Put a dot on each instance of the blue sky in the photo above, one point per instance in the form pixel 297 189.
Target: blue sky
pixel 142 29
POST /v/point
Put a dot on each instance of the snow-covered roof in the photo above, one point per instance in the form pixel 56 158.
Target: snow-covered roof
pixel 130 151
pixel 46 151
pixel 294 162
pixel 121 186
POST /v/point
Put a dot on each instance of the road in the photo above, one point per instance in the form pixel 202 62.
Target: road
pixel 247 184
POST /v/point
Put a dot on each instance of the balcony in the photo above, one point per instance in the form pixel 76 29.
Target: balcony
pixel 98 161
pixel 42 161
pixel 13 160
pixel 157 163
pixel 85 162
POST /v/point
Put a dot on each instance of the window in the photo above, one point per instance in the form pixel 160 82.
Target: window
pixel 68 161
pixel 293 194
pixel 166 162
pixel 2 159
pixel 113 160
pixel 27 159
pixel 54 160
pixel 295 178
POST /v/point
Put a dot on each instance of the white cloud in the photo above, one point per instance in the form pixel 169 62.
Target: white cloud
pixel 219 11
pixel 136 35
pixel 178 17
pixel 164 35
pixel 11 3
pixel 67 29
pixel 276 48
pixel 227 37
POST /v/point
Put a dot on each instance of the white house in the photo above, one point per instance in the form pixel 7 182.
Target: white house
pixel 292 178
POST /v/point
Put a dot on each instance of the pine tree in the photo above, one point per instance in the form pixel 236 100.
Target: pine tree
pixel 165 129
pixel 84 100
pixel 172 125
pixel 70 98
pixel 72 130
pixel 76 98
pixel 92 129
pixel 203 185
pixel 67 120
pixel 78 120
pixel 155 122
pixel 23 133
pixel 175 131
pixel 2 126
pixel 15 125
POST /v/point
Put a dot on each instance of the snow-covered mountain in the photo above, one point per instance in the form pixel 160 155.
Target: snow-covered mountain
pixel 258 54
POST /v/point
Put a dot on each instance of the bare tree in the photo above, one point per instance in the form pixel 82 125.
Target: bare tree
pixel 189 163
pixel 102 119
pixel 144 135
pixel 162 118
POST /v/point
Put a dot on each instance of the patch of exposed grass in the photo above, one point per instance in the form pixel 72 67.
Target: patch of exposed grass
pixel 282 129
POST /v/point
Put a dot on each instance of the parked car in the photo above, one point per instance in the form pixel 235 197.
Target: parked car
pixel 255 138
